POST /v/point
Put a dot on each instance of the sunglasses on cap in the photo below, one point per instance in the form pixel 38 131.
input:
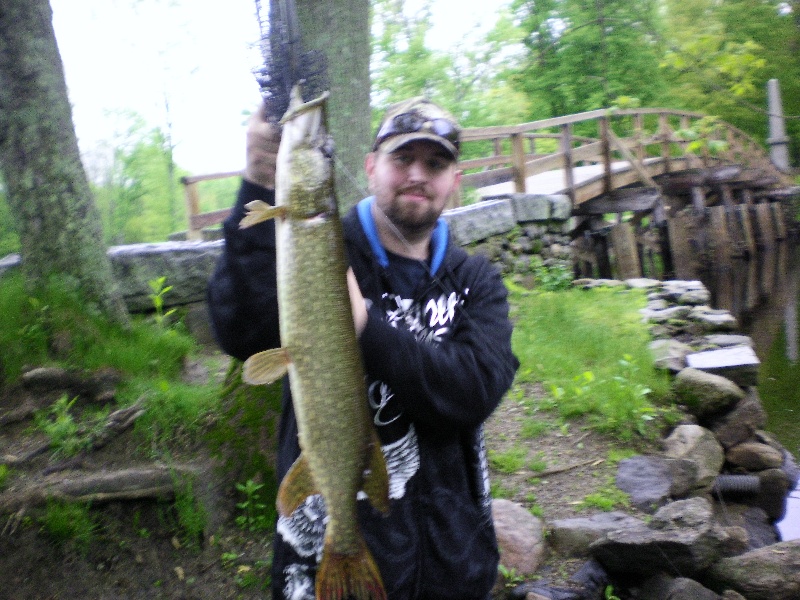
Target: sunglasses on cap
pixel 412 122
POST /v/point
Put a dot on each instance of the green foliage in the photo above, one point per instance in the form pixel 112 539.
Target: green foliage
pixel 551 278
pixel 29 323
pixel 67 436
pixel 9 239
pixel 244 434
pixel 257 516
pixel 69 524
pixel 159 290
pixel 509 461
pixel 608 498
pixel 591 352
pixel 191 514
pixel 5 473
pixel 510 576
pixel 176 412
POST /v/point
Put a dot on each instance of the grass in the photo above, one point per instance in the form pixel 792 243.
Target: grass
pixel 590 350
pixel 66 523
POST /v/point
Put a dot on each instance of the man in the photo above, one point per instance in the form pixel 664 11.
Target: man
pixel 435 339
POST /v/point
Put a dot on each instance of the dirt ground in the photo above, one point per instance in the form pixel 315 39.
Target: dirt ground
pixel 137 549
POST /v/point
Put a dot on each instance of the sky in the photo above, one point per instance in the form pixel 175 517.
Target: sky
pixel 139 55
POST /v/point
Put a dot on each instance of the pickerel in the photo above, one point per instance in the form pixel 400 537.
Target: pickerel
pixel 340 451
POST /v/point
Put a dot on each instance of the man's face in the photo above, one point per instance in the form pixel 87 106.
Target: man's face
pixel 412 184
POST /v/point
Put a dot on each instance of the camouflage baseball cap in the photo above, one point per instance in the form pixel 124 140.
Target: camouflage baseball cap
pixel 417 119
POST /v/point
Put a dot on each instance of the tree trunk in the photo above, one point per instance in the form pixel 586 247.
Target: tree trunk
pixel 48 192
pixel 341 30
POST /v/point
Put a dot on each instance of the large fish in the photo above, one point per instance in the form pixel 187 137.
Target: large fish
pixel 341 454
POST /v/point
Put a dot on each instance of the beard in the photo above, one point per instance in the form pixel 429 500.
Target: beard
pixel 410 217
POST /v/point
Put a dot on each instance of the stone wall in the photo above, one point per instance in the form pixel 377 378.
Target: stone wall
pixel 509 229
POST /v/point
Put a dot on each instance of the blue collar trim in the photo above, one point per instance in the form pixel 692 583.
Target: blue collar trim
pixel 438 240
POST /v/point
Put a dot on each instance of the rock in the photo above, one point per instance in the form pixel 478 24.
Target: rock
pixel 704 394
pixel 186 266
pixel 669 354
pixel 713 320
pixel 755 522
pixel 739 364
pixel 520 537
pixel 572 537
pixel 773 494
pixel 754 456
pixel 664 587
pixel 479 221
pixel 664 315
pixel 740 423
pixel 682 539
pixel 769 573
pixel 726 340
pixel 674 289
pixel 651 481
pixel 697 444
pixel 642 283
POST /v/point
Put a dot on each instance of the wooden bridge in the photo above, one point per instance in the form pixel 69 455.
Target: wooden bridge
pixel 644 183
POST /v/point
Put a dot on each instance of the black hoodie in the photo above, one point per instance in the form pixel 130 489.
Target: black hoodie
pixel 438 361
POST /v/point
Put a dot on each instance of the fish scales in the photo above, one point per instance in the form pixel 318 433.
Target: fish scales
pixel 340 453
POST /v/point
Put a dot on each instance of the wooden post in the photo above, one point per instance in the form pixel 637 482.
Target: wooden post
pixel 518 158
pixel 780 222
pixel 766 232
pixel 192 209
pixel 679 228
pixel 623 241
pixel 605 145
pixel 720 238
pixel 638 131
pixel 665 132
pixel 566 150
pixel 698 199
pixel 746 224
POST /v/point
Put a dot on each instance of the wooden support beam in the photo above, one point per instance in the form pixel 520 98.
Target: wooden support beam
pixel 566 150
pixel 638 199
pixel 623 241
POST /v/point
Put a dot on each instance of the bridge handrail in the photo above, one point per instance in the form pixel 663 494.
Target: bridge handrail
pixel 637 149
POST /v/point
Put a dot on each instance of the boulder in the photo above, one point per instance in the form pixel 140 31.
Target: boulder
pixel 649 480
pixel 520 537
pixel 769 573
pixel 572 537
pixel 681 539
pixel 704 394
pixel 699 445
pixel 740 423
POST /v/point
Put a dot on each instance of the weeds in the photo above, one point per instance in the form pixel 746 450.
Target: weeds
pixel 607 498
pixel 69 524
pixel 157 297
pixel 255 517
pixel 67 436
pixel 510 461
pixel 191 514
pixel 5 473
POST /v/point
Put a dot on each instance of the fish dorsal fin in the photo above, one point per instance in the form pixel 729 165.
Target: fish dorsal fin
pixel 258 211
pixel 295 487
pixel 265 367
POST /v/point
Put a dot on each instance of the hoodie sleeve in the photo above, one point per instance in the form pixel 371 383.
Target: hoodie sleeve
pixel 458 382
pixel 242 291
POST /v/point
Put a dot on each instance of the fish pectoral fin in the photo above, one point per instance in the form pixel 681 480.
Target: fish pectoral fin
pixel 258 211
pixel 295 487
pixel 266 367
pixel 349 575
pixel 376 477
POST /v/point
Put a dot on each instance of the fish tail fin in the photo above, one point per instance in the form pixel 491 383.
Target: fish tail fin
pixel 345 576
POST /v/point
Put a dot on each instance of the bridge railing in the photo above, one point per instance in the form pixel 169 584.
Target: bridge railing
pixel 629 145
pixel 632 145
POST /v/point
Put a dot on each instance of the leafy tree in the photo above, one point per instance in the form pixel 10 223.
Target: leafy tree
pixel 583 55
pixel 47 189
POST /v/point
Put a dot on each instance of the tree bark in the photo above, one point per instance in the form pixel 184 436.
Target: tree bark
pixel 341 30
pixel 58 223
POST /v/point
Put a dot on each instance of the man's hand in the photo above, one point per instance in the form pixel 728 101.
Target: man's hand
pixel 263 139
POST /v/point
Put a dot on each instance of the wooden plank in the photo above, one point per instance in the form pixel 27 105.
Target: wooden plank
pixel 203 220
pixel 746 223
pixel 680 229
pixel 487 178
pixel 189 179
pixel 192 208
pixel 566 149
pixel 518 152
